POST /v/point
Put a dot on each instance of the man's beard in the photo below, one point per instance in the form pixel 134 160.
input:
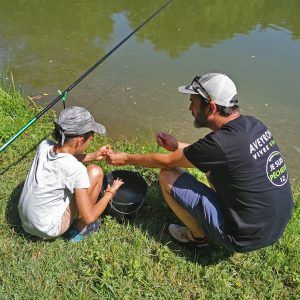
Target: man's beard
pixel 200 121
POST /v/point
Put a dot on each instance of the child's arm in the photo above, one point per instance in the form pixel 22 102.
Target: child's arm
pixel 88 211
pixel 92 156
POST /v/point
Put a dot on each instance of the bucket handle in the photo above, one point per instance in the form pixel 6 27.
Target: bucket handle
pixel 110 179
pixel 125 213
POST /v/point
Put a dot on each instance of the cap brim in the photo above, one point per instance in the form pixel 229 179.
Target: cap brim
pixel 189 90
pixel 186 89
pixel 100 129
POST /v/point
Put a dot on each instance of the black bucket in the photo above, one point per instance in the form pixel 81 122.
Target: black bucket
pixel 131 195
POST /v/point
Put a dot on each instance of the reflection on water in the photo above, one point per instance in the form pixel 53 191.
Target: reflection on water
pixel 49 44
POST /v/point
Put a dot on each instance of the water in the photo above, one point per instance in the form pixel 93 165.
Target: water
pixel 49 44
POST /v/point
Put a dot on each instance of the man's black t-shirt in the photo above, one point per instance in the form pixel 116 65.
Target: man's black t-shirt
pixel 250 178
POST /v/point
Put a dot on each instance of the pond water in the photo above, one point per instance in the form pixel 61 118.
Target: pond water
pixel 49 44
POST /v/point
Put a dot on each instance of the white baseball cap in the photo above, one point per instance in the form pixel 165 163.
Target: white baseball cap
pixel 213 86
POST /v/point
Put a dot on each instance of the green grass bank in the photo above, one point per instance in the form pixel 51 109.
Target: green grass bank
pixel 131 260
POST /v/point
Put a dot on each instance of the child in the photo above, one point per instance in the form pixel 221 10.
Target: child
pixel 59 189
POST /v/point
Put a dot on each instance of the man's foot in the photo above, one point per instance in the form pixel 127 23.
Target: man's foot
pixel 77 236
pixel 184 236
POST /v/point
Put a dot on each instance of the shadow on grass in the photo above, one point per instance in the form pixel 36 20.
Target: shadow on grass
pixel 13 218
pixel 154 218
pixel 19 160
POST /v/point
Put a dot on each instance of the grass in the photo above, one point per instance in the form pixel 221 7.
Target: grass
pixel 131 260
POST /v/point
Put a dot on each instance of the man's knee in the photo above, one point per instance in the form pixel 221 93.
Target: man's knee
pixel 167 177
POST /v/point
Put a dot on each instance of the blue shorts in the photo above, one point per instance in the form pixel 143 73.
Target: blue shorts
pixel 203 204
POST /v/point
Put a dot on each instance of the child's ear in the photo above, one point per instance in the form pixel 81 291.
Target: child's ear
pixel 79 141
pixel 82 140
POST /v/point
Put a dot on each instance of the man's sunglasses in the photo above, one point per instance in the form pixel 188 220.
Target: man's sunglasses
pixel 199 89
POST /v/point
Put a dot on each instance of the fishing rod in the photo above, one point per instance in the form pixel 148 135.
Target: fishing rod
pixel 65 92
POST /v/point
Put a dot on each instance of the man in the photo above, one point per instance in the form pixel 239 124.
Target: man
pixel 250 201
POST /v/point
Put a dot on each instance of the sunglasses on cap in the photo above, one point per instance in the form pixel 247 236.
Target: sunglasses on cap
pixel 199 89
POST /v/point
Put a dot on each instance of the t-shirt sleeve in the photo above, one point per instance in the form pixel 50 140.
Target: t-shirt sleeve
pixel 205 154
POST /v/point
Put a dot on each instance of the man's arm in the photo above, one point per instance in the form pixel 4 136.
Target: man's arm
pixel 151 160
pixel 182 145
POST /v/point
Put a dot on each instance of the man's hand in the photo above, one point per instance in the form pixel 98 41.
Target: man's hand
pixel 167 141
pixel 102 152
pixel 116 159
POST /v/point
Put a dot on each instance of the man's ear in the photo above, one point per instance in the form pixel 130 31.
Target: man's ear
pixel 212 107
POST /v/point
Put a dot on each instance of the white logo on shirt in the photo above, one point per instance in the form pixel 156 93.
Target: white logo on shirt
pixel 261 145
pixel 276 169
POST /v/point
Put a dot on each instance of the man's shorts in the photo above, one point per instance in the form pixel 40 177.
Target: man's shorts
pixel 203 204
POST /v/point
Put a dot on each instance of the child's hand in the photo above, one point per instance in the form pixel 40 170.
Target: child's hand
pixel 105 150
pixel 102 152
pixel 117 183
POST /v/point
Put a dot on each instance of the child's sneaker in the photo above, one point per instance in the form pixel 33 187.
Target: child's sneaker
pixel 184 236
pixel 77 236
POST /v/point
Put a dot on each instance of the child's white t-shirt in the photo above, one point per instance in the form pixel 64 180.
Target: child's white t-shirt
pixel 48 190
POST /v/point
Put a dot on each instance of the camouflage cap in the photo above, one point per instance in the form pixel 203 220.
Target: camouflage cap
pixel 78 120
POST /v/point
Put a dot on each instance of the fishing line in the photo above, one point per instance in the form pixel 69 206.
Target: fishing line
pixel 65 92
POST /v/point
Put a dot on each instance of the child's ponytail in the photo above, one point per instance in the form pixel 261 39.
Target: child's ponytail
pixel 59 135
